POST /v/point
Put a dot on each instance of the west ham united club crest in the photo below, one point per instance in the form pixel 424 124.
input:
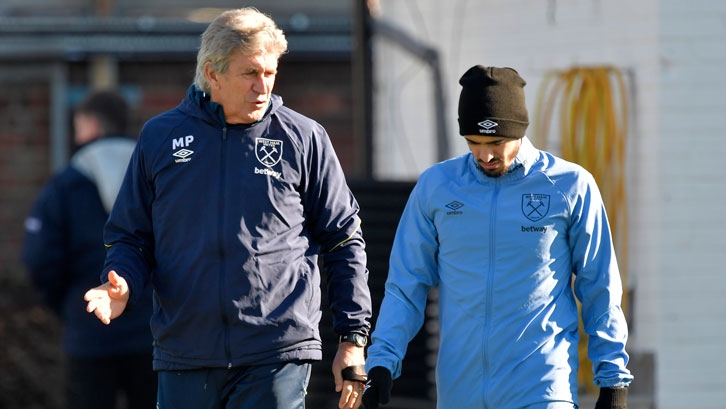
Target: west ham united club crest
pixel 268 151
pixel 535 206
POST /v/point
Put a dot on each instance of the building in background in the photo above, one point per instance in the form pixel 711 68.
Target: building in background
pixel 672 53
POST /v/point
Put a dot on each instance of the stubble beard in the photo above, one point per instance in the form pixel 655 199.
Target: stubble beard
pixel 499 172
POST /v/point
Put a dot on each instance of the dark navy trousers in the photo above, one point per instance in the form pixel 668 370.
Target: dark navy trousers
pixel 95 382
pixel 274 386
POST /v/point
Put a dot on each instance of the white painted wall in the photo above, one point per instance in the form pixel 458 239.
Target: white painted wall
pixel 692 147
pixel 675 52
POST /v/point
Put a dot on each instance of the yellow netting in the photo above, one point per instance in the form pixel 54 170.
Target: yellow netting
pixel 592 103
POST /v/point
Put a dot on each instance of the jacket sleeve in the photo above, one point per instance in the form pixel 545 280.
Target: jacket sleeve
pixel 333 221
pixel 128 234
pixel 598 286
pixel 45 250
pixel 412 272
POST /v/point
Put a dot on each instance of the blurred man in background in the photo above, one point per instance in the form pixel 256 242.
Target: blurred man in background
pixel 64 253
pixel 500 231
pixel 228 201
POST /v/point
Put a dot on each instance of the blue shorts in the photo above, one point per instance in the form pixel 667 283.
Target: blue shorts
pixel 274 386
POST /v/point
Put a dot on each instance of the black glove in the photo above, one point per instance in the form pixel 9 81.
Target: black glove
pixel 378 387
pixel 612 398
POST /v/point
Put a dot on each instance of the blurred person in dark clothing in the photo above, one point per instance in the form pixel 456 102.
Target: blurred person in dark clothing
pixel 64 253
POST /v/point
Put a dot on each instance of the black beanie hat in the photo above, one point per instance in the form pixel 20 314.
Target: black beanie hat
pixel 492 103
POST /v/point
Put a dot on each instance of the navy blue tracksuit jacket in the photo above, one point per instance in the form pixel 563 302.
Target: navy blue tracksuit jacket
pixel 226 222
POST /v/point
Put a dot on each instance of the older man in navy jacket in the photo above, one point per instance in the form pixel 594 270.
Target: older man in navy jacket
pixel 228 200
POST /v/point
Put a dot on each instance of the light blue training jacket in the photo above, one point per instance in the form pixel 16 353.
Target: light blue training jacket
pixel 502 252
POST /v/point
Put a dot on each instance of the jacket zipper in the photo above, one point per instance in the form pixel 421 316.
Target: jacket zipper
pixel 220 238
pixel 490 285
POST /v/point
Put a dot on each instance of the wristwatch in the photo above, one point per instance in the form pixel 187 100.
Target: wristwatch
pixel 355 339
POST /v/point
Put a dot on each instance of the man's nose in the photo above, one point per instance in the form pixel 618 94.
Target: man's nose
pixel 485 155
pixel 260 84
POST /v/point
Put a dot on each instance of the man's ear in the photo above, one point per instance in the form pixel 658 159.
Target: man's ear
pixel 211 74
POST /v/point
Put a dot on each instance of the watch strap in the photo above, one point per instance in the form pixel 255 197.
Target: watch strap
pixel 355 373
pixel 354 338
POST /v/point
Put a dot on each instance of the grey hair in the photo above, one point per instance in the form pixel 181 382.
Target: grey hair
pixel 246 30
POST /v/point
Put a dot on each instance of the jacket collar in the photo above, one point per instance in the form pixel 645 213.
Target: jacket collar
pixel 521 166
pixel 199 104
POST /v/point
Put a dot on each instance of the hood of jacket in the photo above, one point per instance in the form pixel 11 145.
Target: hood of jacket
pixel 104 161
pixel 199 105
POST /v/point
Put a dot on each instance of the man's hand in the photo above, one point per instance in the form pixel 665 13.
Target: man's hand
pixel 351 392
pixel 109 299
pixel 378 388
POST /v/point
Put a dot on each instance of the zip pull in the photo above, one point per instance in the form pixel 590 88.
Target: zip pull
pixel 224 133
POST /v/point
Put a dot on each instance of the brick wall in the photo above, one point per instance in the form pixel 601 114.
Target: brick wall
pixel 24 167
pixel 24 163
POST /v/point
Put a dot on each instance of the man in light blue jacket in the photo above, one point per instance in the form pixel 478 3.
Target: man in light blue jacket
pixel 503 231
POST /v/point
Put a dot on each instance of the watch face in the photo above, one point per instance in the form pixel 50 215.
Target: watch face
pixel 357 339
